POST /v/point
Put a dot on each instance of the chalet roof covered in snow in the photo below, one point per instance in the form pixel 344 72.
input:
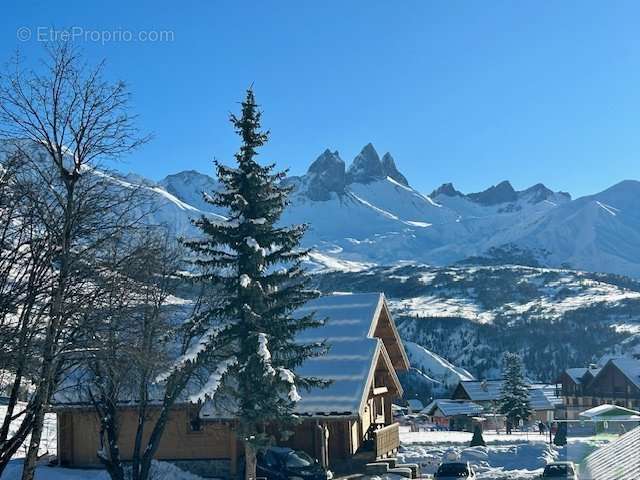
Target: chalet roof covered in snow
pixel 577 374
pixel 451 408
pixel 489 390
pixel 617 460
pixel 550 391
pixel 359 332
pixel 630 368
pixel 350 331
pixel 610 412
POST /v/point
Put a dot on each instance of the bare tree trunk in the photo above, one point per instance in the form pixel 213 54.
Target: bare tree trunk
pixel 34 445
pixel 13 401
pixel 109 429
pixel 174 389
pixel 137 446
pixel 49 362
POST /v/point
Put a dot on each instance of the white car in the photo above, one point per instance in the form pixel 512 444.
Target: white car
pixel 560 470
pixel 455 470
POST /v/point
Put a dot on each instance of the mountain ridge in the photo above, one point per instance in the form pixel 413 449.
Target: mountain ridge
pixel 368 213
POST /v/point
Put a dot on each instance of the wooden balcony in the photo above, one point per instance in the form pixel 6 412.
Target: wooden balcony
pixel 386 440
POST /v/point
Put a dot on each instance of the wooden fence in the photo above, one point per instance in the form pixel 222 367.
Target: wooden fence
pixel 386 440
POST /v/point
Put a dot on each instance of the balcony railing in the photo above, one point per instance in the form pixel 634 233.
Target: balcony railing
pixel 386 440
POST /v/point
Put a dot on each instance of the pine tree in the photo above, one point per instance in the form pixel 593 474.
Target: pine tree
pixel 560 439
pixel 514 395
pixel 256 266
pixel 477 440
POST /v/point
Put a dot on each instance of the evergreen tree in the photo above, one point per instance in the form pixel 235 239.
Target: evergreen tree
pixel 255 265
pixel 514 396
pixel 560 438
pixel 477 440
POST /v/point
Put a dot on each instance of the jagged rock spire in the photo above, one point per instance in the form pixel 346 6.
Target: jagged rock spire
pixel 326 175
pixel 366 167
pixel 390 170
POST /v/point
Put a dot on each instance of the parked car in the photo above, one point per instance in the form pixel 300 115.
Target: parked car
pixel 560 470
pixel 455 470
pixel 280 463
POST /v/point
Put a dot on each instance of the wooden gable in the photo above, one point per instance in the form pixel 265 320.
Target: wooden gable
pixel 384 328
pixel 611 381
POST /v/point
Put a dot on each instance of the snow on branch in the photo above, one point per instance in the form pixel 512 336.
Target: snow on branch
pixel 265 354
pixel 191 354
pixel 288 376
pixel 252 243
pixel 210 388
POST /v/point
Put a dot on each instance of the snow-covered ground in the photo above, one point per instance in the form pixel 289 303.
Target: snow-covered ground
pixel 516 456
pixel 48 445
pixel 160 471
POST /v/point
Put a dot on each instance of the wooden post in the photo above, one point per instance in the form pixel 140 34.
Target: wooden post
pixel 322 437
pixel 249 461
pixel 233 450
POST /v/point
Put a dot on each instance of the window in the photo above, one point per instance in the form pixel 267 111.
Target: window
pixel 194 420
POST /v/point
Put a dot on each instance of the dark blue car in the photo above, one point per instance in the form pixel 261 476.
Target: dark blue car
pixel 280 463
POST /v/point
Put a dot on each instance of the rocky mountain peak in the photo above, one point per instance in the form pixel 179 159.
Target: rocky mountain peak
pixel 446 189
pixel 366 167
pixel 537 193
pixel 390 170
pixel 496 194
pixel 326 174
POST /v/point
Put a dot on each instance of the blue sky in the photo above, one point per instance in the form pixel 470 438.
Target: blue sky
pixel 464 91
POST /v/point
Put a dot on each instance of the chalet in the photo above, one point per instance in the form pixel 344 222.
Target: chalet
pixel 617 382
pixel 453 414
pixel 487 394
pixel 365 354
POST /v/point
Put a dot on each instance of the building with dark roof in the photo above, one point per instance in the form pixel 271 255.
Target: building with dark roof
pixel 617 383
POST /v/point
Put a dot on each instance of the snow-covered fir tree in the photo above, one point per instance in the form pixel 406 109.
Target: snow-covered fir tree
pixel 514 395
pixel 255 265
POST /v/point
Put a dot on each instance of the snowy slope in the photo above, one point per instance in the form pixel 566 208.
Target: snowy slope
pixel 434 366
pixel 598 232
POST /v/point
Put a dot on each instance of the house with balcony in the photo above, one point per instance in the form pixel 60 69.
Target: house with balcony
pixel 353 413
pixel 616 383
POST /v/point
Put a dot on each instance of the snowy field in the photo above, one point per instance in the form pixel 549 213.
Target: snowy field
pixel 513 457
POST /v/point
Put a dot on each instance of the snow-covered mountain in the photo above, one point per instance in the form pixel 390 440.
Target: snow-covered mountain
pixel 368 213
pixel 470 315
